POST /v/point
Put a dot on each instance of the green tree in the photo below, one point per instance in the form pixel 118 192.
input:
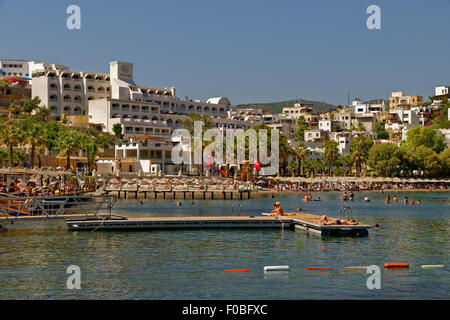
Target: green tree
pixel 284 151
pixel 444 163
pixel 359 151
pixel 53 131
pixel 380 130
pixel 19 158
pixel 301 152
pixel 10 136
pixel 118 131
pixel 3 157
pixel 383 160
pixel 88 145
pixel 360 127
pixel 331 153
pixel 4 85
pixel 68 142
pixel 292 166
pixel 441 119
pixel 425 136
pixel 299 134
pixel 426 161
pixel 34 134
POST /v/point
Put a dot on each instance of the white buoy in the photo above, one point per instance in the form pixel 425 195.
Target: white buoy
pixel 276 268
pixel 433 266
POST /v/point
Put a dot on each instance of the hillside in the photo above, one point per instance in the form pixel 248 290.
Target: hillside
pixel 276 107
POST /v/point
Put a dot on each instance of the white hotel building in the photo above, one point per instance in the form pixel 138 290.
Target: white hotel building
pixel 67 92
pixel 152 111
pixel 115 98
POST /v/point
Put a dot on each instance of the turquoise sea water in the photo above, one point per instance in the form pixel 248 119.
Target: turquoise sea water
pixel 190 264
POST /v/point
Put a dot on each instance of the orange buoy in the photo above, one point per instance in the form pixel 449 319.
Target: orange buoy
pixel 237 270
pixel 318 268
pixel 396 265
pixel 376 228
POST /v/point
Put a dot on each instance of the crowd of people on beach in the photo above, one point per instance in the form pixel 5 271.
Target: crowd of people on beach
pixel 324 187
pixel 48 188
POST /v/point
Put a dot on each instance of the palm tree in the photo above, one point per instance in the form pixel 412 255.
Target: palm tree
pixel 68 142
pixel 359 151
pixel 3 157
pixel 292 166
pixel 301 152
pixel 34 134
pixel 10 136
pixel 331 152
pixel 4 84
pixel 88 145
pixel 284 150
pixel 19 157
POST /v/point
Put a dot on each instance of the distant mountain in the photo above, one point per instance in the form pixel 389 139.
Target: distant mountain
pixel 277 107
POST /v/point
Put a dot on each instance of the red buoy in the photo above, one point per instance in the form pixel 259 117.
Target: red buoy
pixel 396 265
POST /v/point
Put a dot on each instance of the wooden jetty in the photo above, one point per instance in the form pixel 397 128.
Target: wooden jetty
pixel 295 221
pixel 188 192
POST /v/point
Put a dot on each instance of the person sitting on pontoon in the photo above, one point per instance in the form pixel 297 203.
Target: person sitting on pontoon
pixel 330 221
pixel 278 209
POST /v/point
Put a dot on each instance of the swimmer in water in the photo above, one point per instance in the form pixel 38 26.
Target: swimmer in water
pixel 406 200
pixel 141 202
pixel 388 199
pixel 366 199
pixel 179 203
pixel 418 202
pixel 345 197
pixel 299 208
pixel 395 199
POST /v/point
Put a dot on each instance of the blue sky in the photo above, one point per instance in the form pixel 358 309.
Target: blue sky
pixel 249 51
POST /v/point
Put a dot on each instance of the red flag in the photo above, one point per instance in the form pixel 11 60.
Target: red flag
pixel 257 165
pixel 224 173
pixel 209 160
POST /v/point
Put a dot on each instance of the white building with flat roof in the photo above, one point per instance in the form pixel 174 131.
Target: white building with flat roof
pixel 67 92
pixel 14 68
